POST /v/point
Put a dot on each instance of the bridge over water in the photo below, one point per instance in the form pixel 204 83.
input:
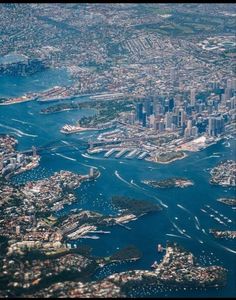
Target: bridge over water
pixel 74 144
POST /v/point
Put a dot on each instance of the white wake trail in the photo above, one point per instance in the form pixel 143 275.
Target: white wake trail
pixel 17 130
pixel 66 157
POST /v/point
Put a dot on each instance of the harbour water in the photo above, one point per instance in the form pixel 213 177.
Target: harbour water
pixel 181 219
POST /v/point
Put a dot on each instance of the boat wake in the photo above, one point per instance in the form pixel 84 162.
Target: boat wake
pixel 17 130
pixel 68 144
pixel 175 235
pixel 159 200
pixel 66 157
pixel 122 179
pixel 226 248
pixel 185 209
pixel 180 231
pixel 22 122
pixel 102 167
pixel 91 157
pixel 137 186
pixel 17 134
pixel 197 221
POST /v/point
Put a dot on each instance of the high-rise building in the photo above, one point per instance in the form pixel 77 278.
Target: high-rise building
pixel 168 120
pixel 161 126
pixel 139 111
pixel 189 124
pixel 215 125
pixel 173 74
pixel 192 97
pixel 180 117
pixel 131 118
pixel 144 121
pixel 152 120
pixel 147 107
pixel 171 104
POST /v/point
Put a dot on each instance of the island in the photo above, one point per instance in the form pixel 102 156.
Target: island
pixel 167 157
pixel 135 206
pixel 224 174
pixel 169 183
pixel 226 234
pixel 228 201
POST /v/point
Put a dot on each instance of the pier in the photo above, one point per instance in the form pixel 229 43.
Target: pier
pixel 132 154
pixel 122 152
pixel 110 152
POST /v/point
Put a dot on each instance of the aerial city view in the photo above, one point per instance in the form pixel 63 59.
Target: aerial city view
pixel 117 150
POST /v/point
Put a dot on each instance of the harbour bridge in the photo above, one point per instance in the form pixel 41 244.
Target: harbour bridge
pixel 73 144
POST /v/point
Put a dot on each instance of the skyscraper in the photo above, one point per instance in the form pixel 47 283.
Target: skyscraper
pixel 180 117
pixel 144 121
pixel 139 111
pixel 215 125
pixel 192 97
pixel 147 107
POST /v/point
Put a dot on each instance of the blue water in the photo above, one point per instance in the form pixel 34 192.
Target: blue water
pixel 24 121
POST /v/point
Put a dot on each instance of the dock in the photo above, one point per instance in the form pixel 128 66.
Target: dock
pixel 110 152
pixel 142 155
pixel 132 154
pixel 122 152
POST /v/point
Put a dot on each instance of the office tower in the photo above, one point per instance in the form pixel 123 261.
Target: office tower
pixel 192 97
pixel 215 125
pixel 168 119
pixel 171 104
pixel 233 102
pixel 161 126
pixel 131 118
pixel 139 111
pixel 210 107
pixel 180 117
pixel 194 131
pixel 233 84
pixel 173 74
pixel 229 83
pixel 228 94
pixel 152 120
pixel 157 108
pixel 144 121
pixel 166 105
pixel 211 126
pixel 189 124
pixel 147 107
pixel 187 133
